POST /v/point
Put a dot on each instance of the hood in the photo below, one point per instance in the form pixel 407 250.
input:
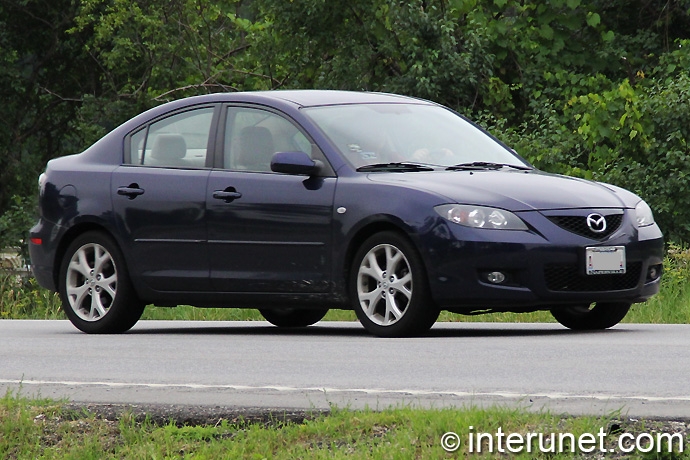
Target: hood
pixel 512 190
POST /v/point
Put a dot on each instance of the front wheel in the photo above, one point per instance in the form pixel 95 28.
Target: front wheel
pixel 586 318
pixel 389 289
pixel 95 289
pixel 293 317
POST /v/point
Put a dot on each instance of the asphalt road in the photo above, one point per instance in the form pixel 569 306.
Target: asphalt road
pixel 643 370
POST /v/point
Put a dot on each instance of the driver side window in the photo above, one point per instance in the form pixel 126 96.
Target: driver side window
pixel 253 136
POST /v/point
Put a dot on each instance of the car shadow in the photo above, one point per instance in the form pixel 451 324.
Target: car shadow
pixel 457 330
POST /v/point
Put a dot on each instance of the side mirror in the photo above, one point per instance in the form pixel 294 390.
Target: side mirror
pixel 298 163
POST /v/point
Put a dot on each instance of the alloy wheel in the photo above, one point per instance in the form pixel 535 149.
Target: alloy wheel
pixel 91 282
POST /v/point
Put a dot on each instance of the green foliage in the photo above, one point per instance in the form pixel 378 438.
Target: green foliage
pixel 23 298
pixel 149 52
pixel 597 89
pixel 411 47
pixel 43 74
pixel 16 221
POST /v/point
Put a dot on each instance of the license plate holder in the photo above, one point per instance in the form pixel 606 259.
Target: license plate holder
pixel 605 260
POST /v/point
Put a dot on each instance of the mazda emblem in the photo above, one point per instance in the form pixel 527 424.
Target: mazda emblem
pixel 596 223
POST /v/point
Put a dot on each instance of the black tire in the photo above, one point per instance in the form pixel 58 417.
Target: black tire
pixel 293 317
pixel 388 287
pixel 586 318
pixel 96 292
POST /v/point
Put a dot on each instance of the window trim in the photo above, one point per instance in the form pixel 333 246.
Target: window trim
pixel 210 143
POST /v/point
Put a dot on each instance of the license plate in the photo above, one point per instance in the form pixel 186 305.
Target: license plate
pixel 605 260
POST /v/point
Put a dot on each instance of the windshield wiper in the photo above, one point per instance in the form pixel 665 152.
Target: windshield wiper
pixel 395 167
pixel 477 165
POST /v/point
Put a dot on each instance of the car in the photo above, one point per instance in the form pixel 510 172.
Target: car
pixel 300 201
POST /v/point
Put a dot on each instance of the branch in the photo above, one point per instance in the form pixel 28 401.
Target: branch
pixel 62 98
pixel 199 85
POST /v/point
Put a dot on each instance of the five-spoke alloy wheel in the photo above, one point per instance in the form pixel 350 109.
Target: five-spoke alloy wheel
pixel 389 289
pixel 94 286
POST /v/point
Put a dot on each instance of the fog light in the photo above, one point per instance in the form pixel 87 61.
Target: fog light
pixel 654 272
pixel 495 277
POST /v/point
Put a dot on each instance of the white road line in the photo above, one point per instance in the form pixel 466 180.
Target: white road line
pixel 368 391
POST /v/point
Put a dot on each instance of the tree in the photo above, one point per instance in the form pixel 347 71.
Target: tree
pixel 42 80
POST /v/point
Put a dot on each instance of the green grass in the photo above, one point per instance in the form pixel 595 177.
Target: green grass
pixel 31 428
pixel 24 299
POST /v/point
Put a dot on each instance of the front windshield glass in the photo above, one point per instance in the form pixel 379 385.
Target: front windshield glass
pixel 369 134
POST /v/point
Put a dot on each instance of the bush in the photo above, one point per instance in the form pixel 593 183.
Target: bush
pixel 15 224
pixel 23 298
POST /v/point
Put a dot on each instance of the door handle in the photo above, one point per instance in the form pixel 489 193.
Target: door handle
pixel 228 195
pixel 131 191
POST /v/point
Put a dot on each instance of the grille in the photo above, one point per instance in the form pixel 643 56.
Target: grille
pixel 578 225
pixel 569 278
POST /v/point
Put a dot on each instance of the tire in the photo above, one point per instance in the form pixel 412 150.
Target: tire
pixel 586 318
pixel 388 287
pixel 93 264
pixel 293 317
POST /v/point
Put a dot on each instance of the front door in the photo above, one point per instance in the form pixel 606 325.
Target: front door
pixel 267 232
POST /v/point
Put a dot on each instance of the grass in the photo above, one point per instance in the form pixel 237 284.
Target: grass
pixel 39 428
pixel 24 299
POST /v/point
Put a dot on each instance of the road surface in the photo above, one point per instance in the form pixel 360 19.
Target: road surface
pixel 642 370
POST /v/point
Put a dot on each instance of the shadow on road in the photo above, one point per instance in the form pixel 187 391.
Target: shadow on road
pixel 441 330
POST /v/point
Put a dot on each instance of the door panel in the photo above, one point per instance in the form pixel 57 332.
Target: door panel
pixel 276 237
pixel 160 201
pixel 164 226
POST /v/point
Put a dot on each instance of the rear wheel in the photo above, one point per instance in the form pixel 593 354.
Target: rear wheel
pixel 388 287
pixel 97 295
pixel 293 317
pixel 589 318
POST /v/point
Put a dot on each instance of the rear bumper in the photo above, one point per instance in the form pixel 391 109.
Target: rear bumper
pixel 43 254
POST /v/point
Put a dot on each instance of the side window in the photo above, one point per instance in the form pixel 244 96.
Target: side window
pixel 252 136
pixel 178 141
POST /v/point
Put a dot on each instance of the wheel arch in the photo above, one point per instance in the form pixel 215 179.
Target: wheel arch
pixel 366 231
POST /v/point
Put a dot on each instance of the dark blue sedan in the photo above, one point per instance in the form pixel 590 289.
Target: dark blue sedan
pixel 295 202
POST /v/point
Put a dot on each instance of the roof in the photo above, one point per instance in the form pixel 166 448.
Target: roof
pixel 316 97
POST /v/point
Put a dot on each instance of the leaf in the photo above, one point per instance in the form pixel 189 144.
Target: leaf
pixel 623 118
pixel 608 36
pixel 546 31
pixel 593 19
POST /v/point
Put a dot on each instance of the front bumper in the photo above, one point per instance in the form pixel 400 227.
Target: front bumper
pixel 543 267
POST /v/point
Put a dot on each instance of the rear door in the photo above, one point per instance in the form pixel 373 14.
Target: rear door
pixel 159 198
pixel 267 232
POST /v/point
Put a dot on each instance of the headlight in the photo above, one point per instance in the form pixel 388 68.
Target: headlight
pixel 644 214
pixel 480 217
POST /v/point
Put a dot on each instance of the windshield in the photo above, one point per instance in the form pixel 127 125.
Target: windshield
pixel 372 134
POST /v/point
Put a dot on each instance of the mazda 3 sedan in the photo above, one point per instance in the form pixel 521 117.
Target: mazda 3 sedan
pixel 296 202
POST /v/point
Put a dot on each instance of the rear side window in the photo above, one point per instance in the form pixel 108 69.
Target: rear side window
pixel 179 141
